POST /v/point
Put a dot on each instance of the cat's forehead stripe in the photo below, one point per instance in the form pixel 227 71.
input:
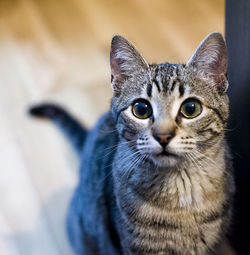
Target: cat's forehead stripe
pixel 166 77
pixel 181 89
pixel 149 90
pixel 172 84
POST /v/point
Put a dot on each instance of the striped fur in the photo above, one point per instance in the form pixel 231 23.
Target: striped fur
pixel 137 195
pixel 178 204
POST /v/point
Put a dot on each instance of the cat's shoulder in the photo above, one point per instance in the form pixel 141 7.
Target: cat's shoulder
pixel 105 125
pixel 104 131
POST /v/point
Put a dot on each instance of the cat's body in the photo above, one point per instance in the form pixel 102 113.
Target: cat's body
pixel 156 170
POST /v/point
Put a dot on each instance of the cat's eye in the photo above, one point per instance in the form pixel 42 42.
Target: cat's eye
pixel 191 108
pixel 142 109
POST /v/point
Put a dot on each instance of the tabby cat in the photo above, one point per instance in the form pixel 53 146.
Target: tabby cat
pixel 155 172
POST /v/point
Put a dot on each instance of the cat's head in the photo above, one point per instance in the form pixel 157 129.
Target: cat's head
pixel 169 112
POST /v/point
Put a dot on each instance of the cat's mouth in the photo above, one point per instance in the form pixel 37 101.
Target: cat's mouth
pixel 166 154
pixel 165 158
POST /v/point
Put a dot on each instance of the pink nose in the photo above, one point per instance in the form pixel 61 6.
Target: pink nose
pixel 163 139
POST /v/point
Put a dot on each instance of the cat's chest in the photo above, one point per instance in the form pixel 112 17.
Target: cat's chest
pixel 158 229
pixel 169 209
pixel 188 190
pixel 174 210
pixel 179 190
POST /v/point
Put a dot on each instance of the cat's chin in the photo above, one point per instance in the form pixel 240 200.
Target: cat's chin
pixel 165 159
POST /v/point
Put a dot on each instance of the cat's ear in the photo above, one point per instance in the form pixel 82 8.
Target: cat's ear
pixel 125 62
pixel 210 61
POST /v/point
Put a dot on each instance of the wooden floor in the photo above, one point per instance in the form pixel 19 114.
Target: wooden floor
pixel 59 51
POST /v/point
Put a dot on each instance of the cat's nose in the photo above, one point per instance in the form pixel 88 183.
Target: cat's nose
pixel 163 139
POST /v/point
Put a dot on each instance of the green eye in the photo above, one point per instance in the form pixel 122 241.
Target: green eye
pixel 142 109
pixel 191 108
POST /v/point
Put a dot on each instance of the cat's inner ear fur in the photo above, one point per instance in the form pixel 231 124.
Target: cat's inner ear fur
pixel 125 62
pixel 210 61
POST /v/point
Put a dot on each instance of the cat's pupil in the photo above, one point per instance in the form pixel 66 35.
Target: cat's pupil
pixel 190 108
pixel 142 109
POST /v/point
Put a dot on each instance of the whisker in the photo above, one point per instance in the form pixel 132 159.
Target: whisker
pixel 128 158
pixel 203 155
pixel 114 147
pixel 108 131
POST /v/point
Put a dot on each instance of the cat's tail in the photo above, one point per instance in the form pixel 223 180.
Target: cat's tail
pixel 70 126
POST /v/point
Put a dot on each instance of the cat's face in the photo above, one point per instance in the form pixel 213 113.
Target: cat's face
pixel 169 113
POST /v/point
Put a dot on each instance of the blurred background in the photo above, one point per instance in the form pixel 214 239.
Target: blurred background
pixel 58 51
